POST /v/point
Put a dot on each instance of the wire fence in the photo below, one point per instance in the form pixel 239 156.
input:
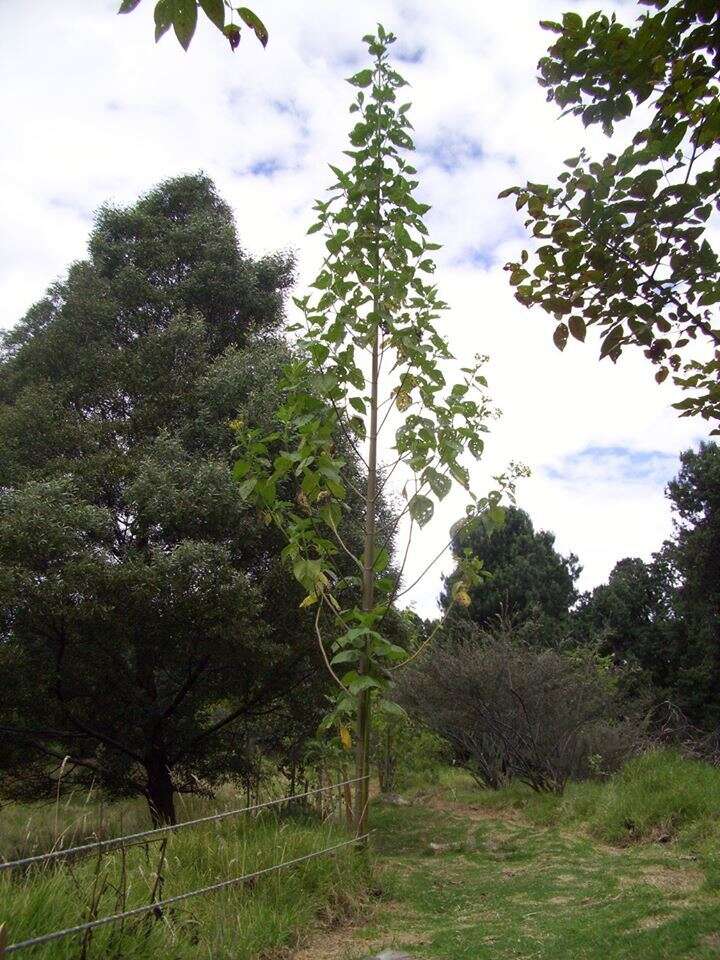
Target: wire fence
pixel 156 906
pixel 125 841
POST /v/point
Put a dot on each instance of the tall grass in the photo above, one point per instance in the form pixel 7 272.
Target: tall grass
pixel 657 797
pixel 242 922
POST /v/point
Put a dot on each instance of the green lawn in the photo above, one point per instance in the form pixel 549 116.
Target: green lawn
pixel 520 890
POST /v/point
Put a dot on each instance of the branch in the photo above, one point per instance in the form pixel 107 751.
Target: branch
pixel 335 677
pixel 425 643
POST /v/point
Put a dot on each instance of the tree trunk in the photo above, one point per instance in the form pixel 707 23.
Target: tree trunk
pixel 160 790
pixel 362 788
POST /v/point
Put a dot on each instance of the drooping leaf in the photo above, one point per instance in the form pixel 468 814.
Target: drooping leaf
pixel 215 11
pixel 163 13
pixel 421 509
pixel 232 32
pixel 560 337
pixel 253 21
pixel 577 327
pixel 185 21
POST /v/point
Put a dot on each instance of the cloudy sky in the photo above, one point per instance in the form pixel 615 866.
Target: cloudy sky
pixel 95 112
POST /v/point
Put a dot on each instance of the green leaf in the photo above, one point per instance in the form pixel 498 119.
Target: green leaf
pixel 392 708
pixel 577 328
pixel 247 487
pixel 612 340
pixel 184 21
pixel 349 655
pixel 572 22
pixel 253 21
pixel 241 469
pixel 560 336
pixel 439 483
pixel 361 79
pixel 163 13
pixel 215 11
pixel 363 683
pixel 421 509
pixel 127 6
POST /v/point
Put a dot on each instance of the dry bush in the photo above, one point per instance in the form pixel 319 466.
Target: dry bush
pixel 510 710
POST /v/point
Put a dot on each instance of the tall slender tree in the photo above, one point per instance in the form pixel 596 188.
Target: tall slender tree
pixel 371 360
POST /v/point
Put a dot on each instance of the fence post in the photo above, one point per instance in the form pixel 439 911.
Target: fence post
pixel 3 940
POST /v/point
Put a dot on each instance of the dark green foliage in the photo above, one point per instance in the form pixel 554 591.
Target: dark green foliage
pixel 530 583
pixel 633 617
pixel 147 627
pixel 663 617
pixel 623 243
pixel 695 554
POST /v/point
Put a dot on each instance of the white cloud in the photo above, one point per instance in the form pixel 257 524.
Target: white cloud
pixel 99 113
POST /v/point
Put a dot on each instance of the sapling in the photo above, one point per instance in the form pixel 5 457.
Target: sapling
pixel 368 359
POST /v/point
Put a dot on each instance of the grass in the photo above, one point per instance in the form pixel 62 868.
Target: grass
pixel 264 918
pixel 623 869
pixel 659 796
pixel 582 877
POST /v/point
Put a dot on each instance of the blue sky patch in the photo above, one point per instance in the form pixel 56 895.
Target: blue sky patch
pixel 618 463
pixel 416 55
pixel 450 151
pixel 266 167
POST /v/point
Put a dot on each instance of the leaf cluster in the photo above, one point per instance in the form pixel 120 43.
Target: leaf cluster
pixel 182 16
pixel 625 243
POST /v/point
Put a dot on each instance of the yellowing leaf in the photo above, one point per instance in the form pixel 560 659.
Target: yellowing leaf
pixel 462 597
pixel 309 600
pixel 345 738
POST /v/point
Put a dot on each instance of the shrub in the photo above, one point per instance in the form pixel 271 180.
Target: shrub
pixel 509 710
pixel 405 752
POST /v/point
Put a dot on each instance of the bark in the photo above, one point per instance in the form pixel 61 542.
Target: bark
pixel 160 791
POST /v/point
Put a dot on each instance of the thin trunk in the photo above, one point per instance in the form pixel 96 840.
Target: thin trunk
pixel 362 788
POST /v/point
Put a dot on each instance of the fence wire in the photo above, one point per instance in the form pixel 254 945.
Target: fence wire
pixel 161 904
pixel 131 838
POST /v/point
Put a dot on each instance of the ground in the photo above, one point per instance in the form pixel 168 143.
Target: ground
pixel 505 889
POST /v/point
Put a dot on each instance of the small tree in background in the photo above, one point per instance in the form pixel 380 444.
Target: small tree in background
pixel 371 360
pixel 509 710
pixel 531 584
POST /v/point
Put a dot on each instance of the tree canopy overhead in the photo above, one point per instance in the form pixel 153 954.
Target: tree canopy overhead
pixel 625 241
pixel 182 16
pixel 145 614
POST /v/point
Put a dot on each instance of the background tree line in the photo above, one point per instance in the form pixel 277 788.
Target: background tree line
pixel 659 620
pixel 534 681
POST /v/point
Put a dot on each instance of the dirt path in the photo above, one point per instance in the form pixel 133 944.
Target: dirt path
pixel 502 889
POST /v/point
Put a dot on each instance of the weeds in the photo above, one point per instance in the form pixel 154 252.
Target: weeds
pixel 240 922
